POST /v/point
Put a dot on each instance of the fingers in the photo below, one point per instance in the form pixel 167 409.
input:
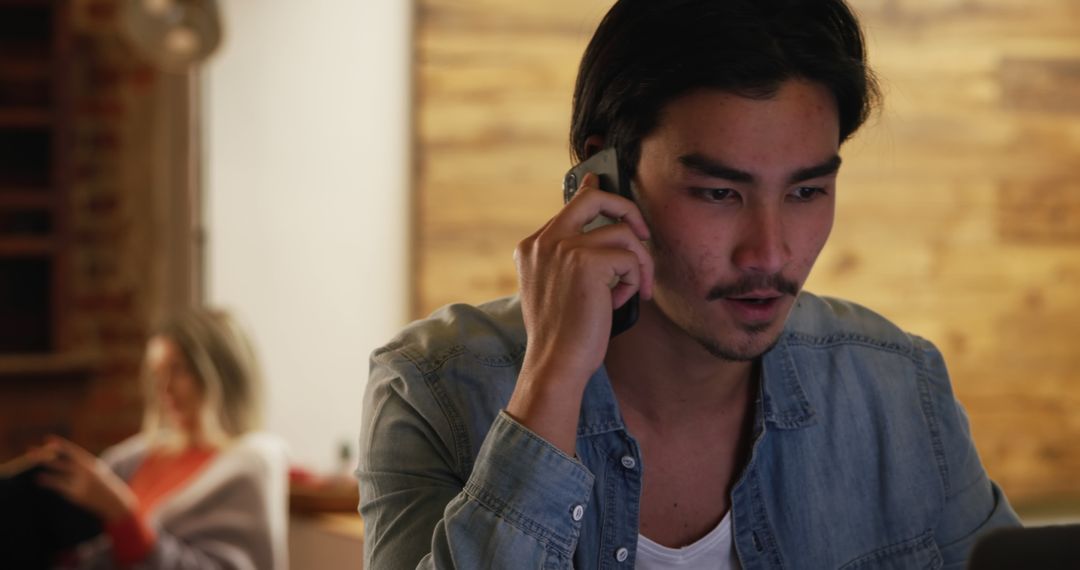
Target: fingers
pixel 40 455
pixel 59 473
pixel 55 482
pixel 67 447
pixel 65 459
pixel 83 479
pixel 591 202
pixel 624 285
pixel 71 454
pixel 563 235
pixel 616 270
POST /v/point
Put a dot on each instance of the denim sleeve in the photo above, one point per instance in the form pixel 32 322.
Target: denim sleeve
pixel 974 504
pixel 516 508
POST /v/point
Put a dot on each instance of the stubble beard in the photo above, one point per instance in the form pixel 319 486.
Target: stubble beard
pixel 746 351
pixel 748 342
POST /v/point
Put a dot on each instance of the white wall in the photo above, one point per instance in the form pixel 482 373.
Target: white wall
pixel 306 130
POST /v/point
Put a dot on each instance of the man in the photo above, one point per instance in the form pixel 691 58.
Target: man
pixel 740 422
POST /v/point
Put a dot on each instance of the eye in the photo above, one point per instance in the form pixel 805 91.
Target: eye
pixel 808 193
pixel 714 194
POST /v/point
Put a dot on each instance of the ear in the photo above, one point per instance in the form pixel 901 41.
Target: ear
pixel 593 145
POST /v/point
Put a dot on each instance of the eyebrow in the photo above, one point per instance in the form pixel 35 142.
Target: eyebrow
pixel 716 169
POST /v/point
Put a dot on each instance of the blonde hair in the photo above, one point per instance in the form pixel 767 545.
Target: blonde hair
pixel 222 359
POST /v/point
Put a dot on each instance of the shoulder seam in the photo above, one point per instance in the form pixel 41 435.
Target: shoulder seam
pixel 458 434
pixel 926 399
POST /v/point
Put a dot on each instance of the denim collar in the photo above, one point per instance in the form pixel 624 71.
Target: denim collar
pixel 599 409
pixel 783 399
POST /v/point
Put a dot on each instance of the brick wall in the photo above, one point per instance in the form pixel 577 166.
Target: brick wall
pixel 114 263
pixel 111 221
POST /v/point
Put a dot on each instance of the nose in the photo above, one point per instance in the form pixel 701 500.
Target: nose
pixel 166 384
pixel 762 245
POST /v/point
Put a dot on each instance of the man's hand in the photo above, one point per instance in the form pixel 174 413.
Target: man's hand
pixel 84 479
pixel 570 283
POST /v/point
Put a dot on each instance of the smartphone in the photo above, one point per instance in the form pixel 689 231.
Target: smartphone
pixel 605 164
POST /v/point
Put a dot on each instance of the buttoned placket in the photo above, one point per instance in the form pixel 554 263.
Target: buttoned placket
pixel 630 465
pixel 743 505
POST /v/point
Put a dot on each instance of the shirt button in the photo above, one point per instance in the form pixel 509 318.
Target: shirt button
pixel 628 462
pixel 578 512
pixel 622 554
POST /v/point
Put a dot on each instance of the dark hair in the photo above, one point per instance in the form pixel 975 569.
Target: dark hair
pixel 645 53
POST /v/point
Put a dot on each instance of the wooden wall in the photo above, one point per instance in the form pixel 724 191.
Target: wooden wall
pixel 959 207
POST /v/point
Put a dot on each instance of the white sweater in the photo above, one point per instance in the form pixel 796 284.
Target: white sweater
pixel 231 514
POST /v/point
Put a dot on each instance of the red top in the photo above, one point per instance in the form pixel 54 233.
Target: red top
pixel 159 475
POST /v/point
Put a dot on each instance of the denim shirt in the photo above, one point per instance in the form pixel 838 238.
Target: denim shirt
pixel 861 456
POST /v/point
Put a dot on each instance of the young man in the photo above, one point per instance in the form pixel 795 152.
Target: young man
pixel 740 422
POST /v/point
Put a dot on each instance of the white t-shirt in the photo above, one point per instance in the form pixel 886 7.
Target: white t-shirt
pixel 715 551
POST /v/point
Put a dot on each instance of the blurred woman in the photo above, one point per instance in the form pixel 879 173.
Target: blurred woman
pixel 197 487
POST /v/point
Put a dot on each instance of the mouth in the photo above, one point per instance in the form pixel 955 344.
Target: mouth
pixel 755 300
pixel 762 296
pixel 758 307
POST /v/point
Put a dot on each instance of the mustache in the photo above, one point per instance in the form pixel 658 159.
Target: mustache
pixel 752 283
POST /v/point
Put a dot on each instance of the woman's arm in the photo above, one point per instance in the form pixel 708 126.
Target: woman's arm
pixel 230 516
pixel 85 480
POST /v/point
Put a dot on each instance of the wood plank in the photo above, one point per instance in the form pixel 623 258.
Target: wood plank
pixel 1041 85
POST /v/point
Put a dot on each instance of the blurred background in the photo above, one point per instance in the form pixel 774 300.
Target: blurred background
pixel 332 169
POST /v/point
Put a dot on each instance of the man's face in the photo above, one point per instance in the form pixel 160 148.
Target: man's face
pixel 739 194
